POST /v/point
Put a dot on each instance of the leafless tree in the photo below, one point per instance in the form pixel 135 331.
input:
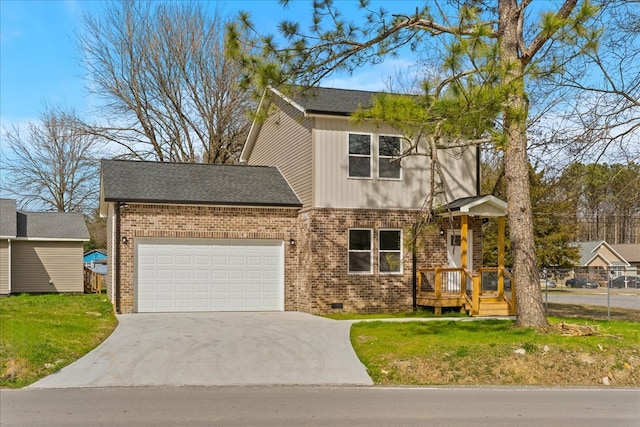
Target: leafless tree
pixel 51 166
pixel 599 117
pixel 169 92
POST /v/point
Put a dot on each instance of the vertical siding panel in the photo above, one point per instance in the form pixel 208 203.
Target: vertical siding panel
pixel 334 189
pixel 4 267
pixel 285 142
pixel 33 264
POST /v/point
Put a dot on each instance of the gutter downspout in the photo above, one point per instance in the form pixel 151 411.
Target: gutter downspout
pixel 117 257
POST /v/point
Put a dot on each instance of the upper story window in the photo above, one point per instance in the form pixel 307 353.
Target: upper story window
pixel 389 151
pixel 360 251
pixel 390 253
pixel 359 155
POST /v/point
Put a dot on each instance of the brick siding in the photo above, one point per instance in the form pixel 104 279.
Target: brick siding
pixel 324 277
pixel 205 222
pixel 316 267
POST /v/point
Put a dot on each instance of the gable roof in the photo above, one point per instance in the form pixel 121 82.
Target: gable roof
pixel 482 206
pixel 194 183
pixel 8 211
pixel 309 101
pixel 589 251
pixel 322 100
pixel 40 225
pixel 52 225
pixel 629 251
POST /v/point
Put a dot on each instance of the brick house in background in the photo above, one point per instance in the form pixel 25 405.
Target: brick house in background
pixel 317 218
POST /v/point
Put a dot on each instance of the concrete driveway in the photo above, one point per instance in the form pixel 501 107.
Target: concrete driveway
pixel 218 349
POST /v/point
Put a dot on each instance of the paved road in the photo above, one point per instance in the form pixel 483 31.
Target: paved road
pixel 206 349
pixel 627 298
pixel 321 406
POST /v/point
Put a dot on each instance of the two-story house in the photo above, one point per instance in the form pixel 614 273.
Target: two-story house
pixel 319 217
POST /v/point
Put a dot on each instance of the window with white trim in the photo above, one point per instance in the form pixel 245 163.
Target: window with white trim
pixel 389 151
pixel 359 155
pixel 390 251
pixel 360 251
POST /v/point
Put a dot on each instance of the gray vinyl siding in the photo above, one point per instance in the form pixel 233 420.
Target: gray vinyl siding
pixel 35 263
pixel 4 267
pixel 335 189
pixel 285 142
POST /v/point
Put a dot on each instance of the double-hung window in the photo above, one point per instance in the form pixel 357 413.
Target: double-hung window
pixel 360 251
pixel 389 151
pixel 390 251
pixel 359 155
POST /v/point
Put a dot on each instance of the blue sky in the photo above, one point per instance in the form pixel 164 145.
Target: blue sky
pixel 40 61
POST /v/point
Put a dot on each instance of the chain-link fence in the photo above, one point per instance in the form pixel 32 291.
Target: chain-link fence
pixel 590 277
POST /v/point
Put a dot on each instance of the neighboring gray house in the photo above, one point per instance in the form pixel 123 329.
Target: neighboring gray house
pixel 317 219
pixel 40 251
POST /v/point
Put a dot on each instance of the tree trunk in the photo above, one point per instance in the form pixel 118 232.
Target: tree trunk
pixel 529 306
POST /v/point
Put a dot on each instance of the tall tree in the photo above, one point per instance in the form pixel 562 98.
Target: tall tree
pixel 169 92
pixel 554 218
pixel 604 113
pixel 520 42
pixel 606 200
pixel 53 165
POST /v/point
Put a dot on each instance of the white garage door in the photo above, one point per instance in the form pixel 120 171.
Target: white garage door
pixel 209 275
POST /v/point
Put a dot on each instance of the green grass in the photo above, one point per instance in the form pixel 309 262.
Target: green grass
pixel 40 334
pixel 483 353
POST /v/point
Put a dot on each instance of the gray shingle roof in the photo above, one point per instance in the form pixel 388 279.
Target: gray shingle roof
pixel 629 251
pixel 195 183
pixel 40 225
pixel 8 218
pixel 342 102
pixel 52 225
pixel 589 249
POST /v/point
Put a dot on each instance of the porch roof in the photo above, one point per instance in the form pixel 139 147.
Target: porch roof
pixel 481 206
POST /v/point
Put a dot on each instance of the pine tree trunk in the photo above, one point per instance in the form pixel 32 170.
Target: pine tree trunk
pixel 529 306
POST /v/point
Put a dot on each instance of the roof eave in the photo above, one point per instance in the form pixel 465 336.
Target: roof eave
pixel 201 203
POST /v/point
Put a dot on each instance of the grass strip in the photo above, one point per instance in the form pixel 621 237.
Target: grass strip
pixel 40 334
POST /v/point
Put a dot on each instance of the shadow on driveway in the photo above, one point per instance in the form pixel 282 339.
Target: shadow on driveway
pixel 180 349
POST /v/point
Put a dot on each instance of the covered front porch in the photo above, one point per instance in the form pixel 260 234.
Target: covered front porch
pixel 479 291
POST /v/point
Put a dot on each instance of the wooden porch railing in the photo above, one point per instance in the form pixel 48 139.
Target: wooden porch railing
pixel 92 281
pixel 456 287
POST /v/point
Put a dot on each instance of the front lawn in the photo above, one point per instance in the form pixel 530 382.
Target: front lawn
pixel 40 334
pixel 492 352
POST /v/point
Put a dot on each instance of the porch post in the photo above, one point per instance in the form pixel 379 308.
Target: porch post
pixel 464 229
pixel 501 232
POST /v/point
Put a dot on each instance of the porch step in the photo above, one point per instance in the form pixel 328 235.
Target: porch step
pixel 493 308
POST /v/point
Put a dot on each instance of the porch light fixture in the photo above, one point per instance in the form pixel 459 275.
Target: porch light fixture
pixel 292 242
pixel 441 231
pixel 125 239
pixel 124 205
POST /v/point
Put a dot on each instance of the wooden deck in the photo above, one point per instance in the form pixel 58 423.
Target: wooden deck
pixel 480 293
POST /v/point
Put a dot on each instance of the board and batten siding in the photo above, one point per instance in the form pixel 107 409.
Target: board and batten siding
pixel 35 263
pixel 285 141
pixel 334 189
pixel 4 267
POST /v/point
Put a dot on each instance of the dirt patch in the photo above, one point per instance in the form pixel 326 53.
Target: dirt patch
pixel 584 352
pixel 554 367
pixel 592 312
